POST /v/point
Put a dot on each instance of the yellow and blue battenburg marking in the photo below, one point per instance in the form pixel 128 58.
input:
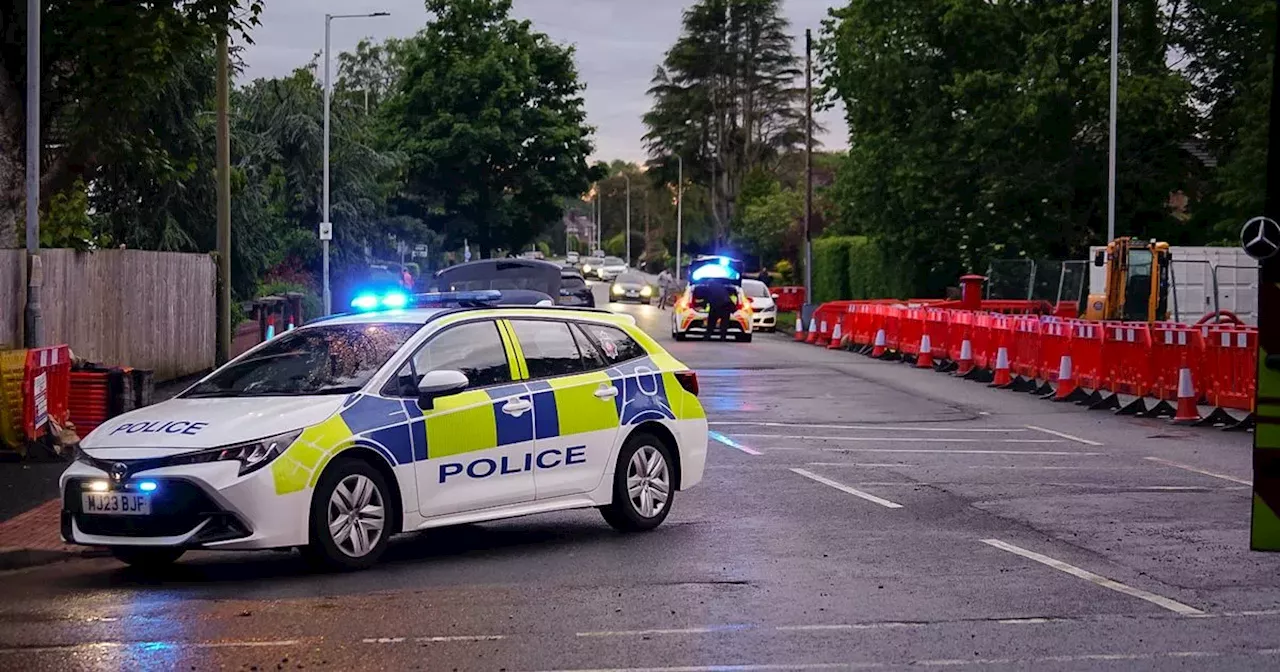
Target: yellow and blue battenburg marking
pixel 474 420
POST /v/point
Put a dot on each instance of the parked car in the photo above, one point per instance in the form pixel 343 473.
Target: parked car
pixel 764 312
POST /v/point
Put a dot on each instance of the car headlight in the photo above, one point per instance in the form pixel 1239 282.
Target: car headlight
pixel 586 268
pixel 646 291
pixel 617 289
pixel 252 455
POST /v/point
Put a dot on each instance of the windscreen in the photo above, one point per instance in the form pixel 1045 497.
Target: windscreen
pixel 499 275
pixel 755 289
pixel 324 359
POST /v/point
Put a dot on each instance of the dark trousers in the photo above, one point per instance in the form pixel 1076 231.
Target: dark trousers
pixel 719 317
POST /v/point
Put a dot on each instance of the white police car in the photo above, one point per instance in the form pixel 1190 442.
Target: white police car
pixel 336 435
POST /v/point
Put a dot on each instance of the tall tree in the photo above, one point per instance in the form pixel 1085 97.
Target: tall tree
pixel 490 114
pixel 726 97
pixel 103 62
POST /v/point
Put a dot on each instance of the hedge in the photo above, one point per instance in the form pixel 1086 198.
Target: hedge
pixel 854 267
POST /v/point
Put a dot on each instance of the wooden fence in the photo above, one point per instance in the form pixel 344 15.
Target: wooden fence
pixel 148 310
pixel 13 280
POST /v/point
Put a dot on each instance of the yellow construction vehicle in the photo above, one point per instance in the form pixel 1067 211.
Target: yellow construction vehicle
pixel 1137 282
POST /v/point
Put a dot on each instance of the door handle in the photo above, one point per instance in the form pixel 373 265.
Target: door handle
pixel 606 392
pixel 517 407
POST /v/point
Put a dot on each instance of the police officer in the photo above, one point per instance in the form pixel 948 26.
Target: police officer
pixel 720 303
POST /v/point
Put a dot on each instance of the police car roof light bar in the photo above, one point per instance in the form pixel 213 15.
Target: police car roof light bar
pixel 477 298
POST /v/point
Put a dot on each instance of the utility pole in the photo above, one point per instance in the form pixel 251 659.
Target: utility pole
pixel 808 166
pixel 223 152
pixel 679 213
pixel 1111 138
pixel 33 334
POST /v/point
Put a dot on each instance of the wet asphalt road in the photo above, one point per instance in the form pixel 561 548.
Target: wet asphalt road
pixel 855 514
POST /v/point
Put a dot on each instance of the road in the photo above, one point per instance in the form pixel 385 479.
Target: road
pixel 856 514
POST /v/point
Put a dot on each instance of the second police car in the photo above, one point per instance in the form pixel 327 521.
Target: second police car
pixel 336 435
pixel 691 314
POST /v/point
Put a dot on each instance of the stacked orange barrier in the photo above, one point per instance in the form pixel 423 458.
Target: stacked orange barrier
pixel 1106 359
pixel 46 381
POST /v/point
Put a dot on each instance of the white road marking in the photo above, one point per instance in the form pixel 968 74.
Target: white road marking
pixel 1158 600
pixel 820 627
pixel 894 439
pixel 944 662
pixel 938 450
pixel 1198 470
pixel 731 443
pixel 120 645
pixel 859 464
pixel 896 428
pixel 844 488
pixel 1064 435
pixel 461 638
pixel 667 631
pixel 382 640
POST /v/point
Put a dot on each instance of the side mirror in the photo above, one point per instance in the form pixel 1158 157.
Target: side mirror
pixel 438 384
pixel 1100 258
pixel 775 296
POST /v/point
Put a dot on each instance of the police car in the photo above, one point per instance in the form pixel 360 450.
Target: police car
pixel 336 435
pixel 691 316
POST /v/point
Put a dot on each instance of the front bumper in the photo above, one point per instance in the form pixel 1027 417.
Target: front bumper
pixel 193 506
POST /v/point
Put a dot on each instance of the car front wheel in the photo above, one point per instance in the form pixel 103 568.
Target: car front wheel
pixel 349 517
pixel 643 485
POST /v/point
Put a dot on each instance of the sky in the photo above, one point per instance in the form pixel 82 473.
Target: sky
pixel 618 42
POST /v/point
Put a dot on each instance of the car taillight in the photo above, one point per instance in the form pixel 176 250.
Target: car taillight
pixel 689 381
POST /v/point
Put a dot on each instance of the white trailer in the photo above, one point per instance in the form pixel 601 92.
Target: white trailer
pixel 1204 279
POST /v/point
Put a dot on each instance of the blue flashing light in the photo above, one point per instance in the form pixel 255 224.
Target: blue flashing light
pixel 147 486
pixel 476 296
pixel 395 300
pixel 365 302
pixel 714 271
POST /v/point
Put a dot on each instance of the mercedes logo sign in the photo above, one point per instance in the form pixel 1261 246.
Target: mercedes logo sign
pixel 119 471
pixel 1260 238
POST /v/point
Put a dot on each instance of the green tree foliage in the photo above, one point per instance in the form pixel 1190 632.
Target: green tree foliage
pixel 490 115
pixel 978 129
pixel 104 64
pixel 726 99
pixel 1231 44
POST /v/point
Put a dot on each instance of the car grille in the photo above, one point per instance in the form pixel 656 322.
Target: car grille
pixel 177 508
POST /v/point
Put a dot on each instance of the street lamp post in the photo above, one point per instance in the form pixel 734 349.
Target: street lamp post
pixel 326 227
pixel 679 213
pixel 628 179
pixel 1111 141
pixel 33 325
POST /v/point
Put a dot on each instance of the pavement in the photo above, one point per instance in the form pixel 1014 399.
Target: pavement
pixel 856 514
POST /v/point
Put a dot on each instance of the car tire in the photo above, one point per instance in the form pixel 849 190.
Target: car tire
pixel 332 503
pixel 679 336
pixel 147 557
pixel 638 482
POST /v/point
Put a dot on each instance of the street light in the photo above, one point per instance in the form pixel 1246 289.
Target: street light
pixel 326 227
pixel 1111 140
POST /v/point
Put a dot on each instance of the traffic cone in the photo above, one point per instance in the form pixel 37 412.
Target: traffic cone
pixel 1002 378
pixel 813 330
pixel 1187 413
pixel 1067 389
pixel 878 349
pixel 925 359
pixel 271 327
pixel 837 338
pixel 818 337
pixel 965 365
pixel 799 329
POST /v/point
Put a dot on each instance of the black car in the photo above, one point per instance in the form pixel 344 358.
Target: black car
pixel 517 278
pixel 574 290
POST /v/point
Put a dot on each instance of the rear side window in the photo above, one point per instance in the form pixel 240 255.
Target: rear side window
pixel 615 344
pixel 549 348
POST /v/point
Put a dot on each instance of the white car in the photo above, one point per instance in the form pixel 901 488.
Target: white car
pixel 571 258
pixel 764 312
pixel 338 434
pixel 611 267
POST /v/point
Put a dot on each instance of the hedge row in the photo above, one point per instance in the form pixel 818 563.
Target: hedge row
pixel 853 267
